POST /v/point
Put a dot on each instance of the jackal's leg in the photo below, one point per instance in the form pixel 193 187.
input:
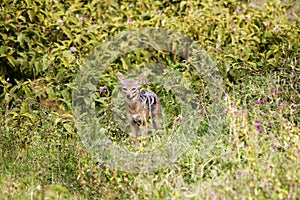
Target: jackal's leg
pixel 144 128
pixel 134 128
pixel 155 119
pixel 155 123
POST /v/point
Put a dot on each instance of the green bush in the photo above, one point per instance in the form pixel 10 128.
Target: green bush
pixel 256 48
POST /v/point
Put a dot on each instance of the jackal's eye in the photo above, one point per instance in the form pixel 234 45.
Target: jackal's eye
pixel 124 89
pixel 133 89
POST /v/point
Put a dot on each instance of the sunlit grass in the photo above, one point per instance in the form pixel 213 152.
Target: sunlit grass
pixel 258 156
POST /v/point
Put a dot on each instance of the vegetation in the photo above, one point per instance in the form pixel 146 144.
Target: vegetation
pixel 255 45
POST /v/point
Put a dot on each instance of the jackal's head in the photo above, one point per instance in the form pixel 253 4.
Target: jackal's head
pixel 130 87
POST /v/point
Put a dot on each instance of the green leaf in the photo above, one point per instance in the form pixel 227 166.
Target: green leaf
pixel 68 127
pixel 57 120
pixel 30 15
pixel 20 39
pixel 50 92
pixel 11 60
pixel 30 116
pixel 3 51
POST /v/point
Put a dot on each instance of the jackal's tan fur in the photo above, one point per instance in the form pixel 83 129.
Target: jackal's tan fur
pixel 140 107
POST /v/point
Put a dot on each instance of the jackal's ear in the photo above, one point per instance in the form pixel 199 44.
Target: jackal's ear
pixel 121 76
pixel 140 77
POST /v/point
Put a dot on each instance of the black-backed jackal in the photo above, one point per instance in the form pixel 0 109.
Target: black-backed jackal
pixel 140 106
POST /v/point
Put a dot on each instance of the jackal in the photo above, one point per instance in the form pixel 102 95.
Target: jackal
pixel 140 106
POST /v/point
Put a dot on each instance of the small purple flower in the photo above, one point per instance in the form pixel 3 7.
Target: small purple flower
pixel 233 28
pixel 239 172
pixel 269 126
pixel 103 89
pixel 272 146
pixel 179 118
pixel 257 121
pixel 248 16
pixel 274 90
pixel 8 79
pixel 107 143
pixel 72 49
pixel 8 17
pixel 60 21
pixel 259 101
pixel 81 19
pixel 291 185
pixel 279 105
pixel 276 28
pixel 129 21
pixel 266 23
pixel 258 127
pixel 19 26
pixel 159 11
pixel 100 164
pixel 217 46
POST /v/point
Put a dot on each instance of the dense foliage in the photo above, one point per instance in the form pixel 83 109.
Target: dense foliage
pixel 255 45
